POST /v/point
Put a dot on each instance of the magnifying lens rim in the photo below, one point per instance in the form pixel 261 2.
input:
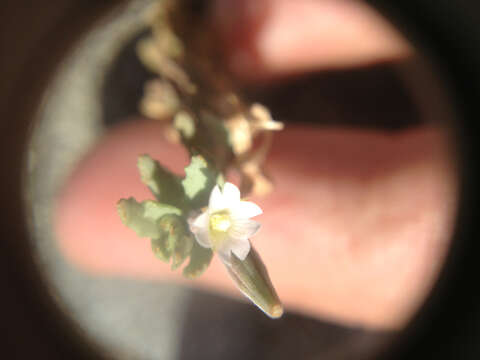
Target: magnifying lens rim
pixel 42 33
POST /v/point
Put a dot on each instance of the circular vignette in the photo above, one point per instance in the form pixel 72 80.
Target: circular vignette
pixel 447 324
pixel 36 37
pixel 446 30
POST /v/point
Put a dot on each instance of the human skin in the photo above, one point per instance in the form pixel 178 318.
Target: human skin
pixel 359 221
pixel 271 38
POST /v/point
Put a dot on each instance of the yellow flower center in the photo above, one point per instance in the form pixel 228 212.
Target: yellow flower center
pixel 219 225
pixel 220 222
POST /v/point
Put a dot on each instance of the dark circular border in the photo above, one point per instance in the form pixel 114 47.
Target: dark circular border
pixel 35 35
pixel 448 323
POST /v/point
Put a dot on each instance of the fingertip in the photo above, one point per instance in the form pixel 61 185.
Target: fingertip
pixel 265 39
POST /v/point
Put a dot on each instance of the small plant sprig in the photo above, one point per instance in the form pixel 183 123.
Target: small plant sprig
pixel 200 214
pixel 196 216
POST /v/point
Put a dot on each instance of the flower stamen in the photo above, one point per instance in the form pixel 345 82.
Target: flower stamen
pixel 226 225
pixel 220 222
pixel 219 225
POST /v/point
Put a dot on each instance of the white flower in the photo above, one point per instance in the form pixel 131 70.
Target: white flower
pixel 225 226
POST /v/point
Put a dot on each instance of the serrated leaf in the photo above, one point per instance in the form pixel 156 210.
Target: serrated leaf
pixel 199 181
pixel 142 217
pixel 178 241
pixel 175 227
pixel 159 248
pixel 252 279
pixel 200 258
pixel 162 183
pixel 182 250
pixel 155 210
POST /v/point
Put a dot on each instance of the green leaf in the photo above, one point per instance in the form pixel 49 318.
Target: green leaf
pixel 159 248
pixel 179 237
pixel 208 137
pixel 165 221
pixel 142 217
pixel 252 279
pixel 200 258
pixel 182 250
pixel 199 181
pixel 176 242
pixel 162 183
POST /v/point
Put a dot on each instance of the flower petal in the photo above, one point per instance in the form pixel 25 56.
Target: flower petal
pixel 231 194
pixel 201 221
pixel 199 228
pixel 240 248
pixel 246 210
pixel 203 238
pixel 244 229
pixel 216 201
